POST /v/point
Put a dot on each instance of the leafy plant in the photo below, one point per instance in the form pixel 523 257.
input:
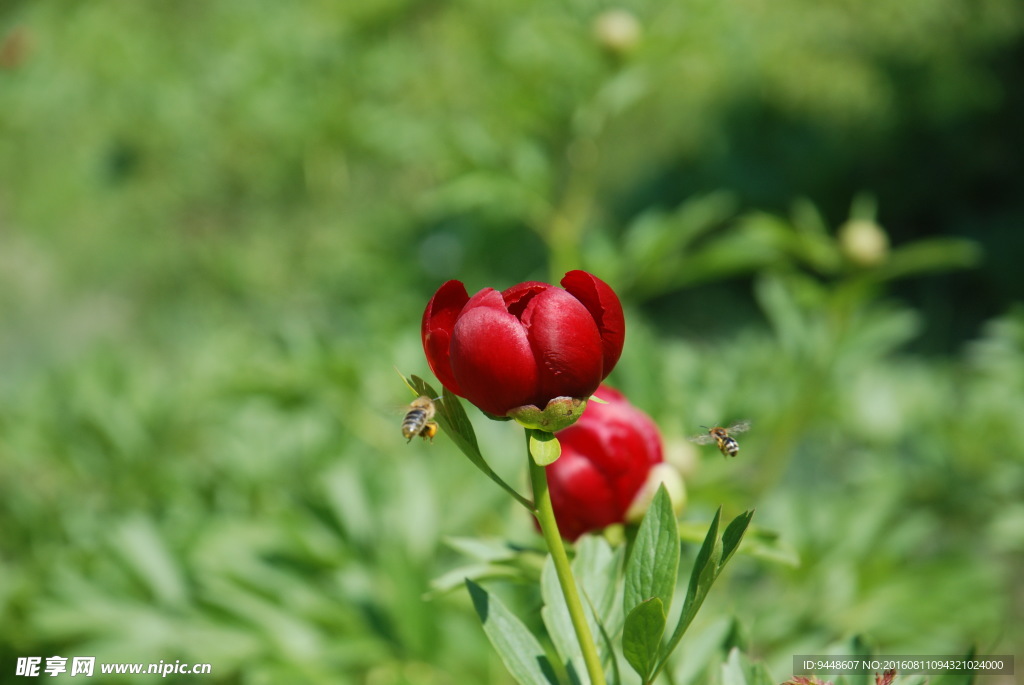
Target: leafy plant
pixel 648 581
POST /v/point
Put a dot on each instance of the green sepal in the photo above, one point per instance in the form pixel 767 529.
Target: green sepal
pixel 544 447
pixel 561 412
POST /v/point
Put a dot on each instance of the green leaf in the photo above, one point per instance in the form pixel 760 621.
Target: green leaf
pixel 596 566
pixel 457 426
pixel 641 636
pixel 141 545
pixel 654 562
pixel 733 536
pixel 779 303
pixel 713 555
pixel 859 647
pixel 609 651
pixel 494 559
pixel 739 670
pixel 451 416
pixel 657 238
pixel 811 239
pixel 518 648
pixel 452 580
pixel 544 447
pixel 929 255
pixel 760 543
pixel 556 618
pixel 705 569
pixel 483 549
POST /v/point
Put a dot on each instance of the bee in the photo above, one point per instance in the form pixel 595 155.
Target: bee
pixel 418 421
pixel 726 443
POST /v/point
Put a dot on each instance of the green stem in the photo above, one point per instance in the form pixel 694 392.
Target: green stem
pixel 549 528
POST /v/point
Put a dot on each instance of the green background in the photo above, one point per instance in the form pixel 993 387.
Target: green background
pixel 220 223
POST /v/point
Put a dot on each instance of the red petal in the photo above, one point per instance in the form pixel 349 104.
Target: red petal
pixel 566 345
pixel 580 495
pixel 491 356
pixel 603 304
pixel 617 451
pixel 620 444
pixel 519 295
pixel 436 330
pixel 618 410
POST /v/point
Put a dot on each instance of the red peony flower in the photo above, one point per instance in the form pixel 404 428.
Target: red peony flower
pixel 610 467
pixel 526 345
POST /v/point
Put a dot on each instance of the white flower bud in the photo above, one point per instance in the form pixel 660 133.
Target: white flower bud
pixel 864 242
pixel 617 31
pixel 662 473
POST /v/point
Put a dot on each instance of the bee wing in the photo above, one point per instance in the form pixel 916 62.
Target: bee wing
pixel 739 426
pixel 701 439
pixel 409 406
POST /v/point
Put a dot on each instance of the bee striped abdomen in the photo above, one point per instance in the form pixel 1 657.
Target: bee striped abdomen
pixel 417 419
pixel 719 435
pixel 414 423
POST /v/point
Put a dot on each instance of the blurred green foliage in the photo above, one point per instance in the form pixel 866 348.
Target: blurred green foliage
pixel 219 223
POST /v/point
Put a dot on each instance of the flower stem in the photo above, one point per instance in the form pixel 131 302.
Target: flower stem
pixel 549 528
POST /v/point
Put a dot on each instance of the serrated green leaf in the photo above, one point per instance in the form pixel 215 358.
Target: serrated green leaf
pixel 654 562
pixel 518 648
pixel 457 426
pixel 544 447
pixel 641 636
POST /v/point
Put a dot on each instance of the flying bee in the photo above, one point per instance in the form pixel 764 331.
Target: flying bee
pixel 726 443
pixel 418 421
pixel 429 431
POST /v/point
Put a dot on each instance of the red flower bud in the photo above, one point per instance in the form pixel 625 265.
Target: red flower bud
pixel 524 346
pixel 607 458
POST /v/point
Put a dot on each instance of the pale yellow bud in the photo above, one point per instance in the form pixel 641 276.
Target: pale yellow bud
pixel 662 473
pixel 864 242
pixel 617 31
